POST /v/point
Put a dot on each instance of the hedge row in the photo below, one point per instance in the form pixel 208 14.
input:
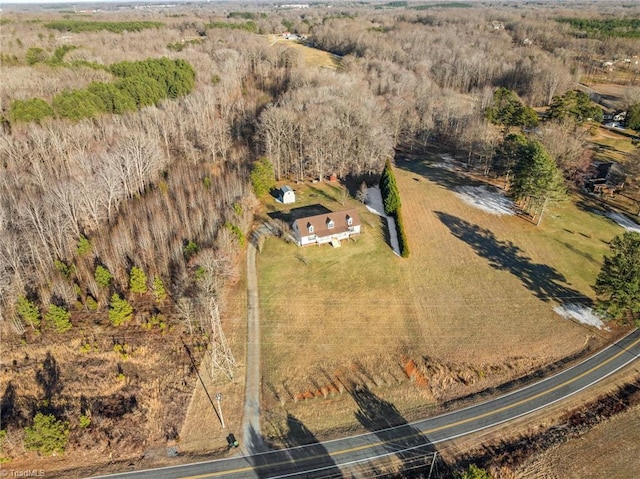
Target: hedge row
pixel 77 26
pixel 249 26
pixel 393 206
pixel 402 235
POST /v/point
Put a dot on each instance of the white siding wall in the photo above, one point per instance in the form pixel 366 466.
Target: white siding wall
pixel 289 197
pixel 313 239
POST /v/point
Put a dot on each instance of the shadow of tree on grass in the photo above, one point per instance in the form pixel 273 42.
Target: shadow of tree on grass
pixel 48 378
pixel 543 280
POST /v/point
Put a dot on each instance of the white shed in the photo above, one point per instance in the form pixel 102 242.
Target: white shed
pixel 287 195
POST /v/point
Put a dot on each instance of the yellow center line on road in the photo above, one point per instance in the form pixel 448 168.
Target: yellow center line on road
pixel 428 431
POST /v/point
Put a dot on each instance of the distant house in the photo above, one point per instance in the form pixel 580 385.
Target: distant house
pixel 620 116
pixel 605 177
pixel 327 227
pixel 286 195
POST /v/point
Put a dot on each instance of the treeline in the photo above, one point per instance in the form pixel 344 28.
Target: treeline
pixel 605 28
pixel 443 5
pixel 141 84
pixel 249 26
pixel 77 26
pixel 324 124
pixel 247 15
pixel 142 186
pixel 399 52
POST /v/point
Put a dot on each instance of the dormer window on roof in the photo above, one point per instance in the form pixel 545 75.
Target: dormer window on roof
pixel 349 220
pixel 310 227
pixel 330 223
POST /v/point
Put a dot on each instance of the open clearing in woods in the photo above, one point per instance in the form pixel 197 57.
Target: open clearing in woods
pixel 312 56
pixel 472 305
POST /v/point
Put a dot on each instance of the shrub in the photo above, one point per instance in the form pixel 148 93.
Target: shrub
pixel 48 435
pixel 137 281
pixel 121 350
pixel 84 246
pixel 59 318
pixel 28 311
pixel 159 293
pixel 35 55
pixel 190 249
pixel 63 268
pixel 263 178
pixel 85 421
pixel 34 109
pixel 120 311
pixel 236 231
pixel 91 303
pixel 200 273
pixel 59 53
pixel 156 320
pixel 102 276
pixel 474 472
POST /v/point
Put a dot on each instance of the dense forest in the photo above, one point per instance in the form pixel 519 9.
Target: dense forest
pixel 109 172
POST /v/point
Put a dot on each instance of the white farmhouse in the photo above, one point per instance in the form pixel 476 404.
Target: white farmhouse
pixel 327 227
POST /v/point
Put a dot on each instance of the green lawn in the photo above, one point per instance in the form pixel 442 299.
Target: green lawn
pixel 476 294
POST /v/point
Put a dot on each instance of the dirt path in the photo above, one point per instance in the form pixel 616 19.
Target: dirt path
pixel 252 439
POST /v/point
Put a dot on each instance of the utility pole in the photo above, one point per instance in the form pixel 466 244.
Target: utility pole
pixel 219 398
pixel 221 356
pixel 433 462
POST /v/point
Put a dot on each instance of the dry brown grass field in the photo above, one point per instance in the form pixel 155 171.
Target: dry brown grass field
pixel 472 306
pixel 608 450
pixel 312 56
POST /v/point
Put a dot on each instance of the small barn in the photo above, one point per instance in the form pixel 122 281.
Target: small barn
pixel 286 195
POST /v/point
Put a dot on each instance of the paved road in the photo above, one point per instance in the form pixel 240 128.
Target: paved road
pixel 408 443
